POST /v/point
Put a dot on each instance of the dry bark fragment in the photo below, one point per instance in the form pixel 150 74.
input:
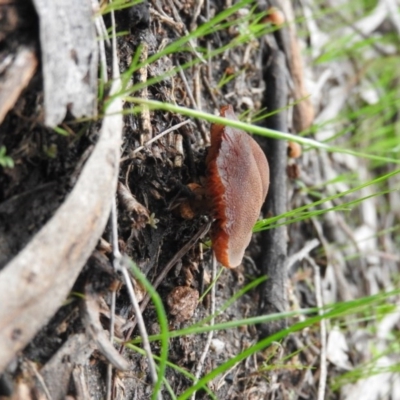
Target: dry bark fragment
pixel 182 302
pixel 303 110
pixel 57 372
pixel 69 58
pixel 273 241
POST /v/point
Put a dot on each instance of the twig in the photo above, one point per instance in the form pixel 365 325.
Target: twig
pixel 333 260
pixel 209 58
pixel 303 111
pixel 187 87
pixel 90 311
pixel 103 62
pixel 197 87
pixel 52 259
pixel 210 90
pixel 142 327
pixel 303 252
pixel 196 13
pixel 102 52
pixel 320 304
pixel 144 114
pixel 112 322
pixel 99 22
pixel 200 365
pixel 393 13
pixel 160 14
pixel 365 34
pixel 192 42
pixel 272 261
pixel 102 33
pixel 39 377
pixel 120 266
pixel 171 129
pixel 80 382
pixel 194 102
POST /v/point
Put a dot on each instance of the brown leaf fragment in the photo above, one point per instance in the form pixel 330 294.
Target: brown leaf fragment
pixel 293 171
pixel 182 302
pixel 189 278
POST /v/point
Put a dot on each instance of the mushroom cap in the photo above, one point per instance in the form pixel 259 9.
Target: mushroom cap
pixel 237 184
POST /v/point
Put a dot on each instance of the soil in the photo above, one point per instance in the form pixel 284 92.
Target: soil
pixel 153 227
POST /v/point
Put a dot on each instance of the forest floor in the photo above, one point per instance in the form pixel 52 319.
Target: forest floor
pixel 337 224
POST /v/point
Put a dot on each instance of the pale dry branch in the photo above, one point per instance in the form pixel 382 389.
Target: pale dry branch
pixel 155 138
pixel 57 371
pixel 49 265
pixel 323 363
pixel 69 58
pixel 206 349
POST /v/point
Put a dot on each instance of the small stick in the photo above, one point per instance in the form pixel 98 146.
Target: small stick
pixel 171 129
pixel 102 33
pixel 303 252
pixel 187 87
pixel 210 90
pixel 117 255
pixel 112 323
pixel 320 303
pixel 120 266
pixel 114 233
pixel 160 14
pixel 39 377
pixel 194 103
pixel 196 13
pixel 209 58
pixel 100 25
pixel 200 365
pixel 272 261
pixel 144 114
pixel 197 86
pixel 192 42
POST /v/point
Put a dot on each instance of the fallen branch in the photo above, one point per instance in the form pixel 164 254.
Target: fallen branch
pixel 35 283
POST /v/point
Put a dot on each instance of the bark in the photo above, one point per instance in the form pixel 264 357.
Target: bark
pixel 273 241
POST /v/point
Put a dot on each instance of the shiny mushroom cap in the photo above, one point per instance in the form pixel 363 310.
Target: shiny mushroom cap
pixel 237 184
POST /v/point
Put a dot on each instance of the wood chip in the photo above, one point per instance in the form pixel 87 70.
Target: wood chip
pixel 16 77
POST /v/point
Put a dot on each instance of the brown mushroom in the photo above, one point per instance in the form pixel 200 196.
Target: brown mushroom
pixel 237 184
